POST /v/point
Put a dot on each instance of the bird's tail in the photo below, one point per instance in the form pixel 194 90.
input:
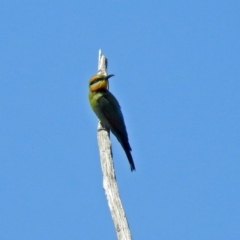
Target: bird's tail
pixel 127 149
pixel 130 159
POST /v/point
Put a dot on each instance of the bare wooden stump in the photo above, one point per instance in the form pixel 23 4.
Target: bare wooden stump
pixel 109 178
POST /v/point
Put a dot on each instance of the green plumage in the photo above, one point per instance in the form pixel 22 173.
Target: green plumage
pixel 108 110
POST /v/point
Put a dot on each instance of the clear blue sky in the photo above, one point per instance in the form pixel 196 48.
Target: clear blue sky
pixel 178 82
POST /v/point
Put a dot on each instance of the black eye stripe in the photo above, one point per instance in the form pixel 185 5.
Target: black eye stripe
pixel 95 81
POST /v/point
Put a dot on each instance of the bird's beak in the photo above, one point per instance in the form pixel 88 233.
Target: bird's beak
pixel 110 75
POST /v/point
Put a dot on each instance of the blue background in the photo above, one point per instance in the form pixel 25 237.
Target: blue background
pixel 177 80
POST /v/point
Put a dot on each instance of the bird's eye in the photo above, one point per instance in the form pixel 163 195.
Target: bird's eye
pixel 95 81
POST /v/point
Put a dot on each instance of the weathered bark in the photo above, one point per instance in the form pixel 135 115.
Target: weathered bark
pixel 109 178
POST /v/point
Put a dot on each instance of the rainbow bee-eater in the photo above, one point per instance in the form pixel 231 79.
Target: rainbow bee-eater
pixel 108 111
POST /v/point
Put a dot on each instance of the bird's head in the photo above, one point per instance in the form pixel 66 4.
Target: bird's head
pixel 99 82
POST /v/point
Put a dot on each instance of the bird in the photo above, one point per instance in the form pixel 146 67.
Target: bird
pixel 108 111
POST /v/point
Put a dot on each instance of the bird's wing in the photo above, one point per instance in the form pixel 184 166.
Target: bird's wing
pixel 112 111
